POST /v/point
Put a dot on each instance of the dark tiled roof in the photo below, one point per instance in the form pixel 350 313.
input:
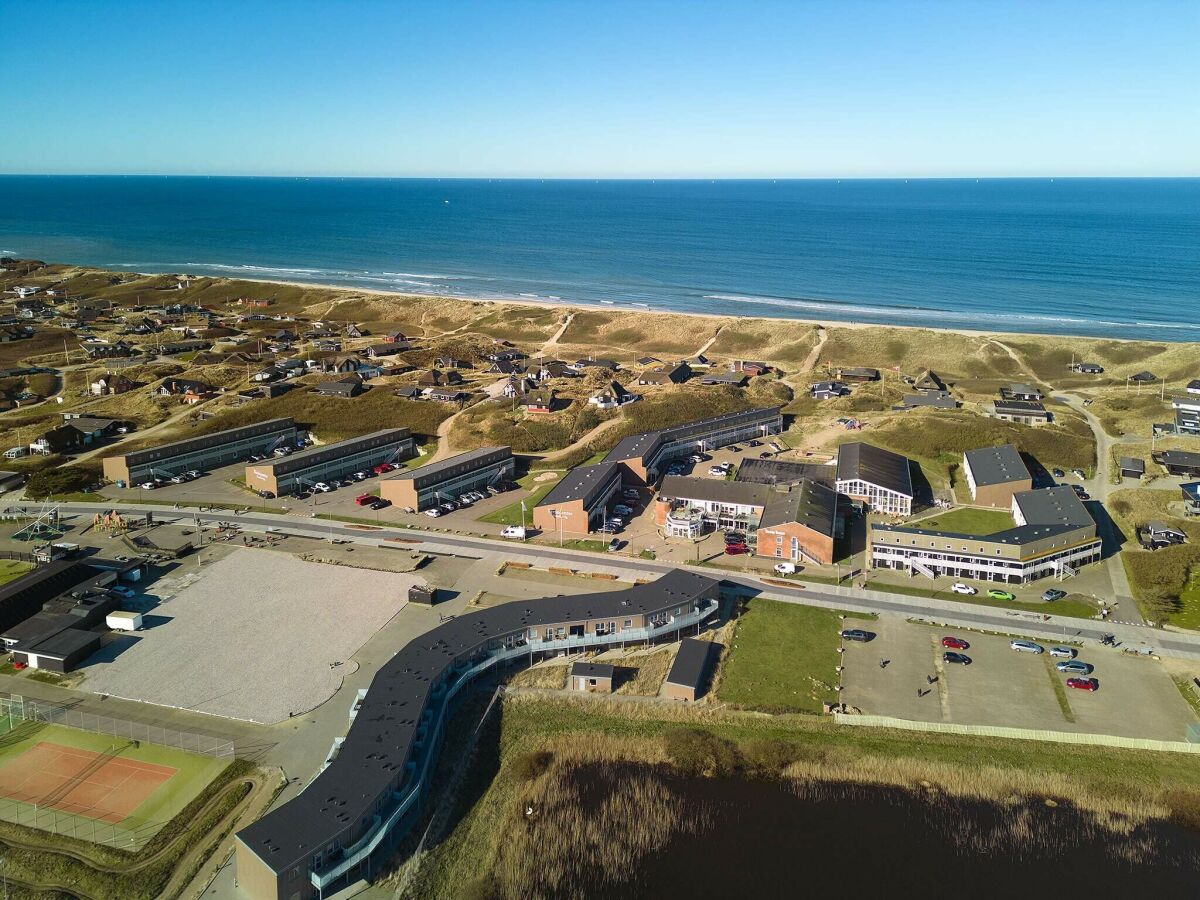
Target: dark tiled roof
pixel 809 503
pixel 997 465
pixel 862 462
pixel 691 663
pixel 582 483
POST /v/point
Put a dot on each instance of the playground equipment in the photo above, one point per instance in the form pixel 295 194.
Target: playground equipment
pixel 110 522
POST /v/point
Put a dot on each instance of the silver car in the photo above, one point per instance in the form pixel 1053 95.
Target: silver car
pixel 1026 647
pixel 1075 667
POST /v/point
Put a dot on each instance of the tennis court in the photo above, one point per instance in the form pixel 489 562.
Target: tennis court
pixel 118 790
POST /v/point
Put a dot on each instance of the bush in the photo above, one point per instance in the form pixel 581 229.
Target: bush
pixel 769 756
pixel 60 480
pixel 694 753
pixel 1184 807
pixel 529 766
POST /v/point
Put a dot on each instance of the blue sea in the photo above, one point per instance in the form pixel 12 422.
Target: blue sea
pixel 1102 257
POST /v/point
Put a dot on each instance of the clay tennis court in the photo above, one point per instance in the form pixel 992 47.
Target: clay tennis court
pixel 103 786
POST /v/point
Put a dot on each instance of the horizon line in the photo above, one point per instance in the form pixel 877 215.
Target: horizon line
pixel 597 178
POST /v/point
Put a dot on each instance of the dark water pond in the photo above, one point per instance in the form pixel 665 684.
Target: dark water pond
pixel 760 839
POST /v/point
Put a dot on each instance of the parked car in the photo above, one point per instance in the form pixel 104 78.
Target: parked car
pixel 785 568
pixel 365 499
pixel 858 634
pixel 622 510
pixel 959 588
pixel 734 448
pixel 606 528
pixel 433 511
pixel 1078 473
pixel 122 591
pixel 616 520
pixel 1059 473
pixel 958 659
pixel 449 506
pixel 954 643
pixel 322 487
pixel 1026 647
pixel 147 485
pixel 382 468
pixel 360 476
pixel 631 494
pixel 493 489
pixel 267 495
pixel 464 500
pixel 1053 594
pixel 513 531
pixel 192 475
pixel 997 594
pixel 755 443
pixel 1084 495
pixel 614 545
pixel 1075 666
pixel 735 549
pixel 1083 684
pixel 1063 652
pixel 766 454
pixel 381 504
pixel 177 479
pixel 716 471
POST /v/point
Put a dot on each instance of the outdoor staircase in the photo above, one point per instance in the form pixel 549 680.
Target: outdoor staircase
pixel 920 567
pixel 1064 571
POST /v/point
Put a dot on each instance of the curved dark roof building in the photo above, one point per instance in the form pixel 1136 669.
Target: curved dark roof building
pixel 350 818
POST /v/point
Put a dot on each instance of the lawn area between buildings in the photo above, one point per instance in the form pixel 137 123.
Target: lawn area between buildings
pixel 1073 606
pixel 511 514
pixel 782 657
pixel 968 520
pixel 12 568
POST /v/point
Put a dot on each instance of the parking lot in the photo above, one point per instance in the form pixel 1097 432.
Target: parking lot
pixel 215 639
pixel 1136 698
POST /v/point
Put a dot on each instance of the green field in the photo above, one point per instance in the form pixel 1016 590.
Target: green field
pixel 193 774
pixel 511 514
pixel 782 657
pixel 968 520
pixel 1074 607
pixel 12 568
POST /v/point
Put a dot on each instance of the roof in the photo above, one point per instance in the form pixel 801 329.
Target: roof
pixel 936 399
pixel 1157 527
pixel 863 462
pixel 809 503
pixel 582 483
pixel 1053 506
pixel 1179 458
pixel 782 471
pixel 379 744
pixel 715 490
pixel 997 465
pixel 267 429
pixel 433 472
pixel 1018 388
pixel 64 643
pixel 316 455
pixel 858 372
pixel 641 446
pixel 1019 407
pixel 1133 464
pixel 691 663
pixel 591 670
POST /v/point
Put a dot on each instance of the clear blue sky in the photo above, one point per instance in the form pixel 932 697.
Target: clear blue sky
pixel 603 89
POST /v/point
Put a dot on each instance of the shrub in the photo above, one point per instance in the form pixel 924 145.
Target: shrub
pixel 769 756
pixel 694 752
pixel 61 480
pixel 1184 807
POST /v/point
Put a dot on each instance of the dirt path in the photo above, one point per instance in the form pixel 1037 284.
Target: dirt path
pixel 814 355
pixel 1022 365
pixel 557 336
pixel 582 441
pixel 443 437
pixel 712 340
pixel 172 419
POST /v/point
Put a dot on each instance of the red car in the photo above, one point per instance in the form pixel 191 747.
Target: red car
pixel 955 643
pixel 1083 684
pixel 735 549
pixel 364 499
pixel 383 467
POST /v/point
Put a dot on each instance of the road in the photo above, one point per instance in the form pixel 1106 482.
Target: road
pixel 949 612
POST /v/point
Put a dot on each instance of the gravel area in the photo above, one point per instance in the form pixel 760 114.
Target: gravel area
pixel 251 637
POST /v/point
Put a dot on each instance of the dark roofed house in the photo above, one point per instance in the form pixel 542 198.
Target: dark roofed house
pixel 347 386
pixel 857 373
pixel 931 400
pixel 724 379
pixel 355 330
pixel 595 364
pixel 828 390
pixel 541 402
pixel 668 373
pixel 375 351
pixel 750 367
pixel 689 672
pixel 447 395
pixel 929 381
pixel 1179 462
pixel 395 336
pixel 450 362
pixel 1193 386
pixel 1088 368
pixel 1143 377
pixel 1160 534
pixel 171 387
pixel 409 392
pixel 1020 392
pixel 1021 412
pixel 594 678
pixel 611 396
pixel 1131 467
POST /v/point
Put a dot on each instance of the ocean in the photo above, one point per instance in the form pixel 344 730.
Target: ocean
pixel 1100 257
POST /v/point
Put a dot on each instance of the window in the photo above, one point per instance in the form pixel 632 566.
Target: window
pixel 628 623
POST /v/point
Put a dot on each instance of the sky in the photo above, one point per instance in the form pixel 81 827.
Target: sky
pixel 596 89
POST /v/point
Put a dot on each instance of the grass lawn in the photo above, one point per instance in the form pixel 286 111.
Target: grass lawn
pixel 969 520
pixel 591 546
pixel 511 514
pixel 1188 615
pixel 12 568
pixel 782 657
pixel 1074 608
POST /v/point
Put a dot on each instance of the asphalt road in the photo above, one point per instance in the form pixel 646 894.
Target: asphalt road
pixel 1135 636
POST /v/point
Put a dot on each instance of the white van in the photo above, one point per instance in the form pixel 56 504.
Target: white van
pixel 513 531
pixel 785 568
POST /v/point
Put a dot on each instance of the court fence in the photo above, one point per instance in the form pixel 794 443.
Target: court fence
pixel 131 833
pixel 15 709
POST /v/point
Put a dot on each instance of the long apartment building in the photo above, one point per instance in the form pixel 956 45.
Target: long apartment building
pixel 302 470
pixel 995 474
pixel 578 501
pixel 643 455
pixel 349 819
pixel 1053 534
pixel 449 478
pixel 208 451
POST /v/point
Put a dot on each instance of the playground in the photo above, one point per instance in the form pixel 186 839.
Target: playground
pixel 97 787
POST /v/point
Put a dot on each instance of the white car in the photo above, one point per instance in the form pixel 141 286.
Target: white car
pixel 959 588
pixel 1026 647
pixel 322 487
pixel 513 531
pixel 433 511
pixel 1063 652
pixel 716 471
pixel 147 485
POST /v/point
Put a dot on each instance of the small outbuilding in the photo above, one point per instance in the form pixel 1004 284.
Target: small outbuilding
pixel 120 620
pixel 1131 467
pixel 595 678
pixel 689 673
